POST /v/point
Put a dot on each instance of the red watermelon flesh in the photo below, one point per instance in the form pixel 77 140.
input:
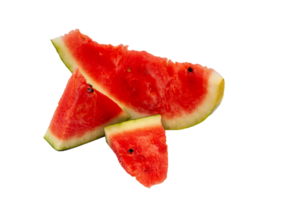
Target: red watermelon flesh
pixel 143 84
pixel 140 146
pixel 81 115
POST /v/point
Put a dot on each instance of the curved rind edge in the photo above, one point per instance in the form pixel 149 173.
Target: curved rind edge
pixel 62 145
pixel 89 136
pixel 218 82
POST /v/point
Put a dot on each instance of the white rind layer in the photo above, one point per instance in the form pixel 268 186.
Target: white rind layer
pixel 87 137
pixel 136 124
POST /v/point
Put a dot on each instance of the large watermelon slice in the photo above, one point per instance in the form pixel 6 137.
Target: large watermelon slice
pixel 183 93
pixel 140 146
pixel 81 115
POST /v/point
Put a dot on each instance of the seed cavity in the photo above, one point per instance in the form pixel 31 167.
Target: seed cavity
pixel 130 151
pixel 190 69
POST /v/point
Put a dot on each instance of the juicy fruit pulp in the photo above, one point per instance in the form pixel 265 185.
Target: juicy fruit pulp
pixel 140 146
pixel 143 84
pixel 81 115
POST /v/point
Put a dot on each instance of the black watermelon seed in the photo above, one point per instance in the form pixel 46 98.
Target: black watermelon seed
pixel 190 69
pixel 130 151
pixel 90 89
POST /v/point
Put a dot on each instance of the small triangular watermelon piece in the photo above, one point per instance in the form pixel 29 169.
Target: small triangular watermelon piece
pixel 81 115
pixel 142 84
pixel 140 146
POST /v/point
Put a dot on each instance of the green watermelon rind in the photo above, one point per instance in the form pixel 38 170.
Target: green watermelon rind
pixel 52 145
pixel 60 52
pixel 89 136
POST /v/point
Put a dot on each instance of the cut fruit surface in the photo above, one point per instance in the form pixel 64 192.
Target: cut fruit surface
pixel 142 84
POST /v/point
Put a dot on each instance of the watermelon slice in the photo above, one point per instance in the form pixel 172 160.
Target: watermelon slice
pixel 142 84
pixel 140 146
pixel 81 115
